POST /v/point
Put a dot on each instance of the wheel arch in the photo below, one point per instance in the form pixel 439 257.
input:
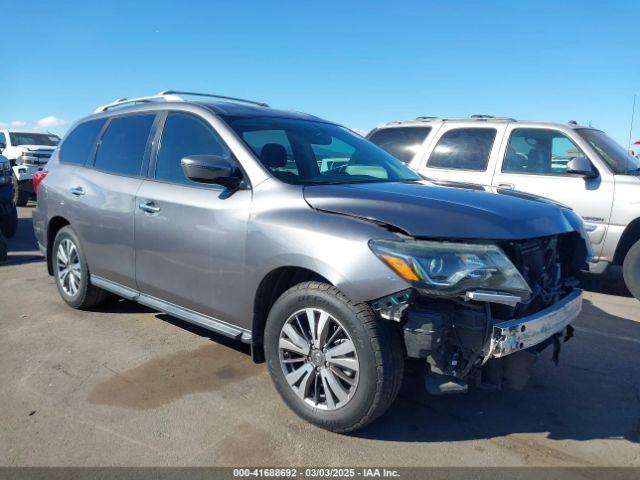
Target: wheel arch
pixel 274 284
pixel 53 227
pixel 629 237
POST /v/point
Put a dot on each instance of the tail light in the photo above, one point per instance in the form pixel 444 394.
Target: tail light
pixel 38 177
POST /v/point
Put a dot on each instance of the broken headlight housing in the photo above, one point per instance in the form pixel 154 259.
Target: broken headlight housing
pixel 450 269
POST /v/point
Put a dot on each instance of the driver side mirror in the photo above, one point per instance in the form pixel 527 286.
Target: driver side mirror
pixel 2 146
pixel 212 169
pixel 581 167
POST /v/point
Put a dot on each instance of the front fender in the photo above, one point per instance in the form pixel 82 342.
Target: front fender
pixel 287 232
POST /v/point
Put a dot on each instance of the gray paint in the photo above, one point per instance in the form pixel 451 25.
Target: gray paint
pixel 424 210
pixel 203 255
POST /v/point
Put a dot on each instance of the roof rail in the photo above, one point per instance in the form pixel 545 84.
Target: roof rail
pixel 170 96
pixel 491 117
pixel 479 118
pixel 211 95
pixel 151 98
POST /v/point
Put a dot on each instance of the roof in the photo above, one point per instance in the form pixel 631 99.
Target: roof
pixel 30 132
pixel 242 110
pixel 474 120
pixel 222 105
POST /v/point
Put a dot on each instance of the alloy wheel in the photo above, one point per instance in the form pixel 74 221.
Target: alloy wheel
pixel 68 267
pixel 319 359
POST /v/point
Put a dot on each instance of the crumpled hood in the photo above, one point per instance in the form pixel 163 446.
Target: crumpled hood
pixel 424 210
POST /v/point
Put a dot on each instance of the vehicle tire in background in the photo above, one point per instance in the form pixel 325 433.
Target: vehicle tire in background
pixel 9 223
pixel 334 362
pixel 631 270
pixel 20 197
pixel 71 272
pixel 3 248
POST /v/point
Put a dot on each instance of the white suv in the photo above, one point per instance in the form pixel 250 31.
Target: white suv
pixel 28 152
pixel 578 166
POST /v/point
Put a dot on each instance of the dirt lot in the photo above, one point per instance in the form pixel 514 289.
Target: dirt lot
pixel 122 385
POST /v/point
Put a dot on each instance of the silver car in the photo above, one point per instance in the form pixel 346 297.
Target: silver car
pixel 332 259
pixel 578 166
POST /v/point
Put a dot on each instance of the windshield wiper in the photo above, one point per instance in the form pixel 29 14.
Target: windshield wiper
pixel 633 170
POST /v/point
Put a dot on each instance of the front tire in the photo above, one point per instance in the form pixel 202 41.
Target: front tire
pixel 20 197
pixel 9 224
pixel 631 270
pixel 71 272
pixel 334 362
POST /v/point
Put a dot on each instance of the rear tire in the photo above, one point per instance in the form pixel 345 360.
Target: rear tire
pixel 71 272
pixel 378 358
pixel 20 197
pixel 631 270
pixel 9 223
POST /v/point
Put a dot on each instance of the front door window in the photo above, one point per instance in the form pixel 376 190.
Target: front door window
pixel 537 151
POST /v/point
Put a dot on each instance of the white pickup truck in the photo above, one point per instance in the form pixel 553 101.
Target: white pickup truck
pixel 572 164
pixel 28 152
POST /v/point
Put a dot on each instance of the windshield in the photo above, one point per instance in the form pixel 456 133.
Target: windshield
pixel 46 139
pixel 307 152
pixel 618 159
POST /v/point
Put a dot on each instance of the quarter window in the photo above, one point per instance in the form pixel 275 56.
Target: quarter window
pixel 463 149
pixel 124 143
pixel 537 151
pixel 79 144
pixel 185 135
pixel 401 142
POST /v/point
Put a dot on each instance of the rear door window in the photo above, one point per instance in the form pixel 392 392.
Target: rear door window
pixel 463 149
pixel 124 143
pixel 401 142
pixel 79 144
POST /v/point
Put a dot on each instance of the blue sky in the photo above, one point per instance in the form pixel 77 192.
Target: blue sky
pixel 357 63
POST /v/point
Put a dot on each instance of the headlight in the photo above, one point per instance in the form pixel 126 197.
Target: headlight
pixel 27 159
pixel 448 269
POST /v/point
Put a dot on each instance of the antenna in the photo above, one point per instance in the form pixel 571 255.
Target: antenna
pixel 633 113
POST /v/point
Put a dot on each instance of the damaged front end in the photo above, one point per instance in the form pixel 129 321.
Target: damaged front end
pixel 480 314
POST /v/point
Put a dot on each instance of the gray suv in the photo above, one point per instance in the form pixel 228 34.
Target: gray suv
pixel 332 259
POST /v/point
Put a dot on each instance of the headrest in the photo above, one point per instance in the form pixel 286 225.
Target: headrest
pixel 273 155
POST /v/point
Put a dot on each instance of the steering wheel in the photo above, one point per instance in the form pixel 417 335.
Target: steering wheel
pixel 339 169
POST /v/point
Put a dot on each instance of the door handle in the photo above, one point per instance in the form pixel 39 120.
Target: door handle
pixel 508 186
pixel 77 191
pixel 149 207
